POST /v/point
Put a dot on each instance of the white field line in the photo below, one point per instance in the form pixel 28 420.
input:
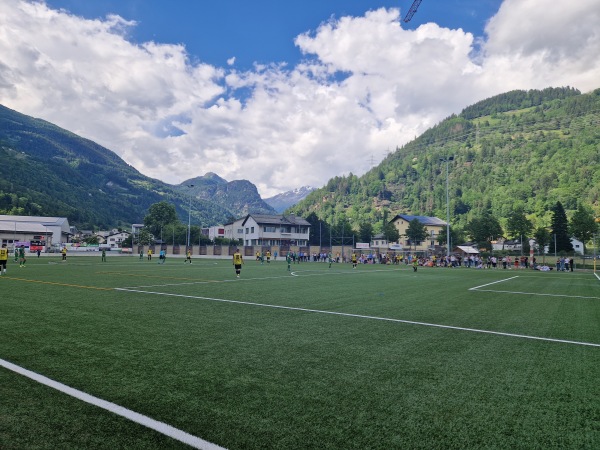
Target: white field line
pixel 494 282
pixel 360 316
pixel 536 293
pixel 596 275
pixel 146 421
pixel 478 289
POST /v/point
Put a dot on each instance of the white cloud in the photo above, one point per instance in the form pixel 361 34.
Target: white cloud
pixel 538 43
pixel 366 86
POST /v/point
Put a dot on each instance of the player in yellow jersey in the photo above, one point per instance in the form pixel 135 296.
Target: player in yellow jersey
pixel 237 262
pixel 3 258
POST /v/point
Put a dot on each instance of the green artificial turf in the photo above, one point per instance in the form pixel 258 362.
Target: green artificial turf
pixel 327 358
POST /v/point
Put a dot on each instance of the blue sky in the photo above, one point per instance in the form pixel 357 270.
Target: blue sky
pixel 263 31
pixel 281 93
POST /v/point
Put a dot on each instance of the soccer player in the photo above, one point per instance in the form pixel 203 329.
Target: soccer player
pixel 3 258
pixel 63 252
pixel 22 259
pixel 149 255
pixel 330 256
pixel 288 258
pixel 238 260
pixel 162 256
pixel 188 256
pixel 354 261
pixel 268 257
pixel 103 255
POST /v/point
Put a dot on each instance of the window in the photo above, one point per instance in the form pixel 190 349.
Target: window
pixel 252 230
pixel 270 229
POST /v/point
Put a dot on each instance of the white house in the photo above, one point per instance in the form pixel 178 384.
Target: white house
pixel 515 245
pixel 115 240
pixel 379 241
pixel 214 232
pixel 268 230
pixel 235 230
pixel 577 246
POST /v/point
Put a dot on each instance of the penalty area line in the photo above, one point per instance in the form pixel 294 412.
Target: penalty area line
pixel 146 421
pixel 538 294
pixel 493 282
pixel 361 316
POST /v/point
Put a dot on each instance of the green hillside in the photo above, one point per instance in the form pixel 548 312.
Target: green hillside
pixel 517 150
pixel 47 170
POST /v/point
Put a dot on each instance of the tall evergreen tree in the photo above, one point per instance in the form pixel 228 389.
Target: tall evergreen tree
pixel 319 230
pixel 389 230
pixel 365 232
pixel 560 229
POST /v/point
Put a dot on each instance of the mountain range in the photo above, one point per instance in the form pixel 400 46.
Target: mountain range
pixel 518 150
pixel 285 200
pixel 47 170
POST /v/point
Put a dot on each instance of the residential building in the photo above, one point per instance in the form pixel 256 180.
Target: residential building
pixel 379 241
pixel 270 230
pixel 116 239
pixel 214 232
pixel 433 225
pixel 515 245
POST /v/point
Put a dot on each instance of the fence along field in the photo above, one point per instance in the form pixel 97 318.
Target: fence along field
pixel 378 357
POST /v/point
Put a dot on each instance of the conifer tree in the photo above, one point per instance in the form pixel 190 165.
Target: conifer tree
pixel 560 229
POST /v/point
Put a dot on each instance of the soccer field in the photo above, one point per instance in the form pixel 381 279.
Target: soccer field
pixel 134 354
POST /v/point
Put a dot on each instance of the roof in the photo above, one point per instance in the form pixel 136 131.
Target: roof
pixel 20 227
pixel 425 220
pixel 467 249
pixel 280 219
pixel 33 219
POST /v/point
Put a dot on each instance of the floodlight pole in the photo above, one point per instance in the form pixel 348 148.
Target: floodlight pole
pixel 447 160
pixel 187 244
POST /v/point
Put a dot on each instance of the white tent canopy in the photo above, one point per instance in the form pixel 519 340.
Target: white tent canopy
pixel 466 249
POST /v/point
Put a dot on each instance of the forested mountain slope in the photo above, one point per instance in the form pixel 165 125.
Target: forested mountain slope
pixel 46 170
pixel 506 156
